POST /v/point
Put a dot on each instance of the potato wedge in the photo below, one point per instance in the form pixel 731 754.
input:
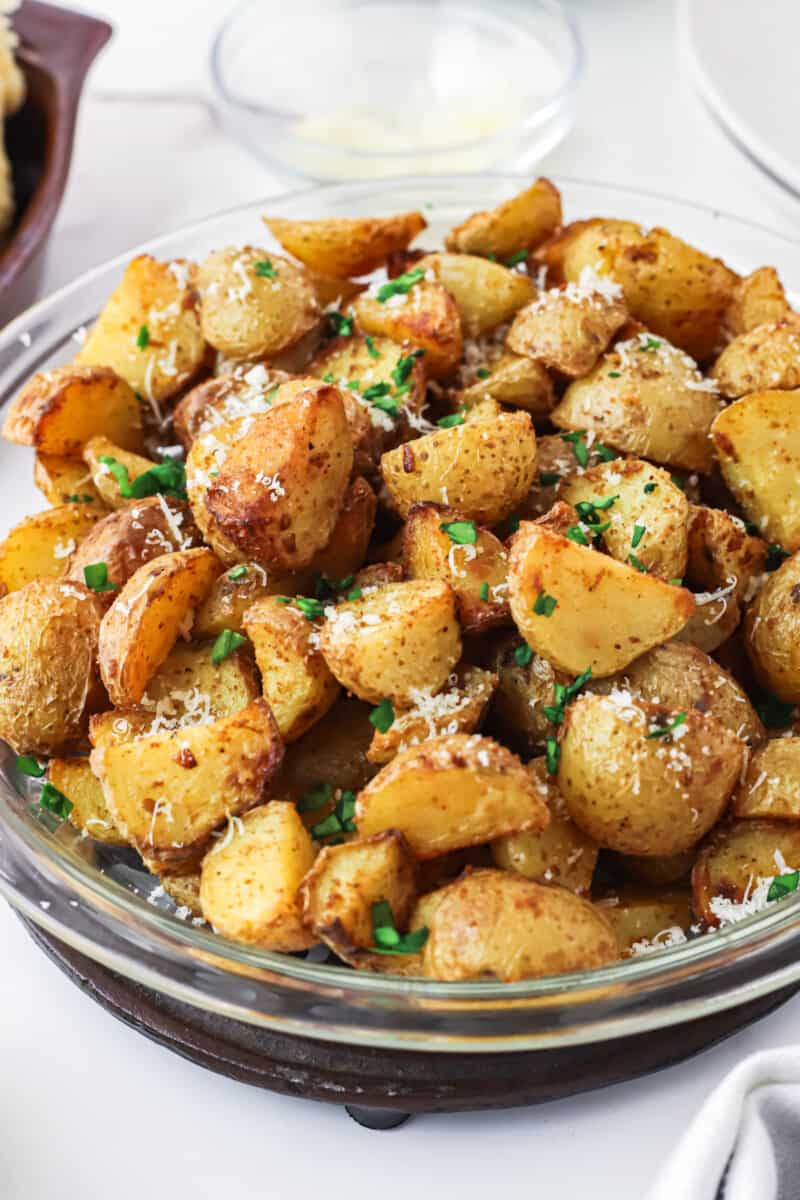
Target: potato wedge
pixel 516 224
pixel 41 545
pixel 723 556
pixel 515 380
pixel 651 402
pixel 457 708
pixel 771 786
pixel 333 752
pixel 567 329
pixel 486 293
pixel 476 570
pixel 254 304
pixel 49 685
pixel 453 791
pixel 232 593
pixel 146 618
pixel 98 448
pixel 344 246
pixel 394 642
pixel 64 480
pixel 58 411
pixel 127 539
pixel 168 793
pixel 245 391
pixel 73 777
pixel 735 861
pixel 346 550
pixel 526 684
pixel 606 613
pixel 643 919
pixel 758 299
pixel 296 681
pixel 149 332
pixel 426 317
pixel 772 632
pixel 757 444
pixel 249 882
pixel 556 464
pixel 499 924
pixel 482 468
pixel 764 358
pixel 642 779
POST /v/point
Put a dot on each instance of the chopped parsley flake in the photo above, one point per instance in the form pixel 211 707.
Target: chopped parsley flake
pixel 95 576
pixel 238 572
pixel 604 453
pixel 372 349
pixel 55 801
pixel 167 478
pixel 638 533
pixel 310 607
pixel 484 592
pixel 564 694
pixel 523 655
pixel 463 533
pixel 382 716
pixel 637 563
pixel 339 324
pixel 614 374
pixel 552 752
pixel 576 534
pixel 340 821
pixel 316 796
pixel 548 478
pixel 519 256
pixel 385 936
pixel 404 366
pixel 649 488
pixel 143 338
pixel 325 588
pixel 649 344
pixel 483 373
pixel 400 286
pixel 76 499
pixel 264 269
pixel 456 418
pixel 783 885
pixel 579 447
pixel 355 594
pixel 665 730
pixel 226 643
pixel 30 766
pixel 544 605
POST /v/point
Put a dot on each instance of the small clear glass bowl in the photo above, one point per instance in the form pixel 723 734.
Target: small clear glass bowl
pixel 103 903
pixel 356 89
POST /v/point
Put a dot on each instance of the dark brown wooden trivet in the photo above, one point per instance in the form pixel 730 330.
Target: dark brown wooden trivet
pixel 379 1087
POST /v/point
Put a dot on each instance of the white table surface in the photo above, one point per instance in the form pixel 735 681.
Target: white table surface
pixel 87 1107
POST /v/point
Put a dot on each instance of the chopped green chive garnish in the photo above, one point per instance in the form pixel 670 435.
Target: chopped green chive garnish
pixel 372 349
pixel 75 499
pixel 353 385
pixel 614 374
pixel 404 366
pixel 650 343
pixel 519 256
pixel 666 729
pixel 385 936
pixel 564 694
pixel 637 563
pixel 168 478
pixel 552 752
pixel 484 592
pixel 55 801
pixel 355 594
pixel 316 796
pixel 400 286
pixel 30 766
pixel 325 588
pixel 544 605
pixel 587 510
pixel 649 488
pixel 775 556
pixel 677 582
pixel 456 418
pixel 463 533
pixel 579 447
pixel 783 885
pixel 483 373
pixel 604 453
pixel 328 377
pixel 382 716
pixel 95 576
pixel 638 533
pixel 339 821
pixel 339 324
pixel 310 607
pixel 143 337
pixel 523 655
pixel 264 269
pixel 226 643
pixel 238 572
pixel 548 478
pixel 576 534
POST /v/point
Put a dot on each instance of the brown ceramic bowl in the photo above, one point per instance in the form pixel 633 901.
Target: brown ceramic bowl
pixel 56 50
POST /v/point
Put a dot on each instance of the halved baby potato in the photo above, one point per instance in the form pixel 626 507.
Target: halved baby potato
pixel 64 480
pixel 736 859
pixel 58 411
pixel 426 317
pixel 646 917
pixel 130 537
pixel 516 380
pixel 766 357
pixel 457 708
pixel 567 329
pixel 771 785
pixel 74 778
pixel 107 484
pixel 521 222
pixel 486 293
pixel 772 632
pixel 345 246
pixel 41 546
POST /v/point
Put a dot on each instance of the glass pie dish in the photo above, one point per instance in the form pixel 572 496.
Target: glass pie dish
pixel 102 903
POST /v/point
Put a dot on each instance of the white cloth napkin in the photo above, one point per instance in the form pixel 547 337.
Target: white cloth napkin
pixel 744 1143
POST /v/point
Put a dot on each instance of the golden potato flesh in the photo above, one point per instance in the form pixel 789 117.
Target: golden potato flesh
pixel 149 331
pixel 767 357
pixel 254 304
pixel 722 554
pixel 344 246
pixel 457 708
pixel 758 299
pixel 425 316
pixel 453 791
pixel 49 634
pixel 757 443
pixel 517 224
pixel 279 490
pixel 526 685
pixel 40 546
pixel 244 391
pixel 249 881
pixel 772 632
pixel 394 641
pixel 130 537
pixel 486 293
pixel 771 785
pixel 645 919
pixel 60 410
pixel 560 853
pixel 64 480
pixel 645 398
pixel 296 681
pixel 346 550
pixel 73 777
pixel 232 593
pixel 642 779
pixel 500 924
pixel 516 380
pixel 578 608
pixel 482 468
pixel 567 330
pixel 168 792
pixel 147 617
pixel 644 509
pixel 736 860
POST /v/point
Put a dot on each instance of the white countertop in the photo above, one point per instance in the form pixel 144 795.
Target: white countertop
pixel 90 1109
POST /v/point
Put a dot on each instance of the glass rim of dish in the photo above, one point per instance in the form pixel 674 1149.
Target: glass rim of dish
pixel 44 876
pixel 529 120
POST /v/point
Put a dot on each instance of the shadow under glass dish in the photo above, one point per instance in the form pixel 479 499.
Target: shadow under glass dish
pixel 97 902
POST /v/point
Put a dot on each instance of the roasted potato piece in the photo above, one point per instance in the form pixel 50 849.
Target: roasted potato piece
pixel 41 545
pixel 296 681
pixel 647 511
pixel 185 891
pixel 713 622
pixel 146 618
pixel 425 316
pixel 560 853
pixel 767 357
pixel 245 391
pixel 643 919
pixel 98 448
pixel 453 791
pixel 345 881
pixel 48 675
pixel 168 792
pixel 758 299
pixel 58 411
pixel 125 540
pixel 334 752
pixel 556 464
pixel 722 554
pixel 771 785
pixel 519 223
pixel 515 380
pixel 457 708
pixel 347 548
pixel 757 443
pixel 641 779
pixel 772 632
pixel 645 398
pixel 64 480
pixel 736 860
pixel 279 490
pixel 393 642
pixel 605 613
pixel 149 332
pixel 476 570
pixel 486 293
pixel 567 329
pixel 526 684
pixel 249 882
pixel 682 676
pixel 74 779
pixel 499 924
pixel 232 593
pixel 344 246
pixel 254 304
pixel 482 468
